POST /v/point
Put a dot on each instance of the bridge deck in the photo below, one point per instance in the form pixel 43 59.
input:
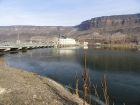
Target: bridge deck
pixel 23 46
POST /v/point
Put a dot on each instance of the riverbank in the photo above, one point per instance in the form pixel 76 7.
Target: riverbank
pixel 130 45
pixel 117 46
pixel 20 87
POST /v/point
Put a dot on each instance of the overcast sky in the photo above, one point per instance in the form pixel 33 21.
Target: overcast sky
pixel 61 12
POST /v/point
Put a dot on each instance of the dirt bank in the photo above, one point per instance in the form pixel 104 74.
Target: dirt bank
pixel 20 87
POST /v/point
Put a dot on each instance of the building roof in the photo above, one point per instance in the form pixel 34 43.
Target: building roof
pixel 64 37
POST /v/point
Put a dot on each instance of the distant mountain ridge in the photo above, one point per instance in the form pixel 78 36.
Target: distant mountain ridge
pixel 116 21
pixel 10 33
pixel 103 28
pixel 117 28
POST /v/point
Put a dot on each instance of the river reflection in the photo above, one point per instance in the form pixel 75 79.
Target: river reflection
pixel 121 67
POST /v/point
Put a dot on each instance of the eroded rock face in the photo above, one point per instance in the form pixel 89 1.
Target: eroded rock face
pixel 110 25
pixel 113 22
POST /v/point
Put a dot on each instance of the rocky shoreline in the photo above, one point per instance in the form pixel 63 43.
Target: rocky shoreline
pixel 20 87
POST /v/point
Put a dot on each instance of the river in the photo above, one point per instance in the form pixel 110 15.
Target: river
pixel 122 68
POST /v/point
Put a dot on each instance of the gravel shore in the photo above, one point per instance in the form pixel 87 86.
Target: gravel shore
pixel 20 87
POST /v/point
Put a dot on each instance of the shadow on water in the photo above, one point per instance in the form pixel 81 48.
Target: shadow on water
pixel 112 59
pixel 112 63
pixel 18 51
pixel 113 48
pixel 1 55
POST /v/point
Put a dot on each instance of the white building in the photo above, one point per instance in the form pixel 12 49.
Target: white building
pixel 62 40
pixel 85 43
pixel 18 41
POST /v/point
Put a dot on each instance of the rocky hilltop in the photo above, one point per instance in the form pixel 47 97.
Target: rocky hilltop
pixel 106 29
pixel 111 22
pixel 36 33
pixel 117 29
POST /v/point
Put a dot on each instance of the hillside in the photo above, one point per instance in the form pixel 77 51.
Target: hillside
pixel 119 27
pixel 20 87
pixel 106 29
pixel 37 33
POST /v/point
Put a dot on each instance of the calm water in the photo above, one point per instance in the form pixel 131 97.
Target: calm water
pixel 122 68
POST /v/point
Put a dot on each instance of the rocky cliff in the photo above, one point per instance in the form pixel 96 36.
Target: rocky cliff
pixel 116 28
pixel 111 22
pixel 106 29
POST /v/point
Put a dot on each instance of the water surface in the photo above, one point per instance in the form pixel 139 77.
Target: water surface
pixel 122 68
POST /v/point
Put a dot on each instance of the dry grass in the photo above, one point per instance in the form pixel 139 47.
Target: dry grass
pixel 104 88
pixel 85 77
pixel 76 88
pixel 86 87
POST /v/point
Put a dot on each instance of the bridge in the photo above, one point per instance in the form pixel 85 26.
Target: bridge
pixel 16 47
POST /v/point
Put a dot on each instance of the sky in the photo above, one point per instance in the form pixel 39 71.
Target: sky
pixel 61 12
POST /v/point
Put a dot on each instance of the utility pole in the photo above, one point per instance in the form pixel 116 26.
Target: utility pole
pixel 18 41
pixel 31 41
pixel 40 41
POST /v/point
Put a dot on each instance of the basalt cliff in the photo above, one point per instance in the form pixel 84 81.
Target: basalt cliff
pixel 106 29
